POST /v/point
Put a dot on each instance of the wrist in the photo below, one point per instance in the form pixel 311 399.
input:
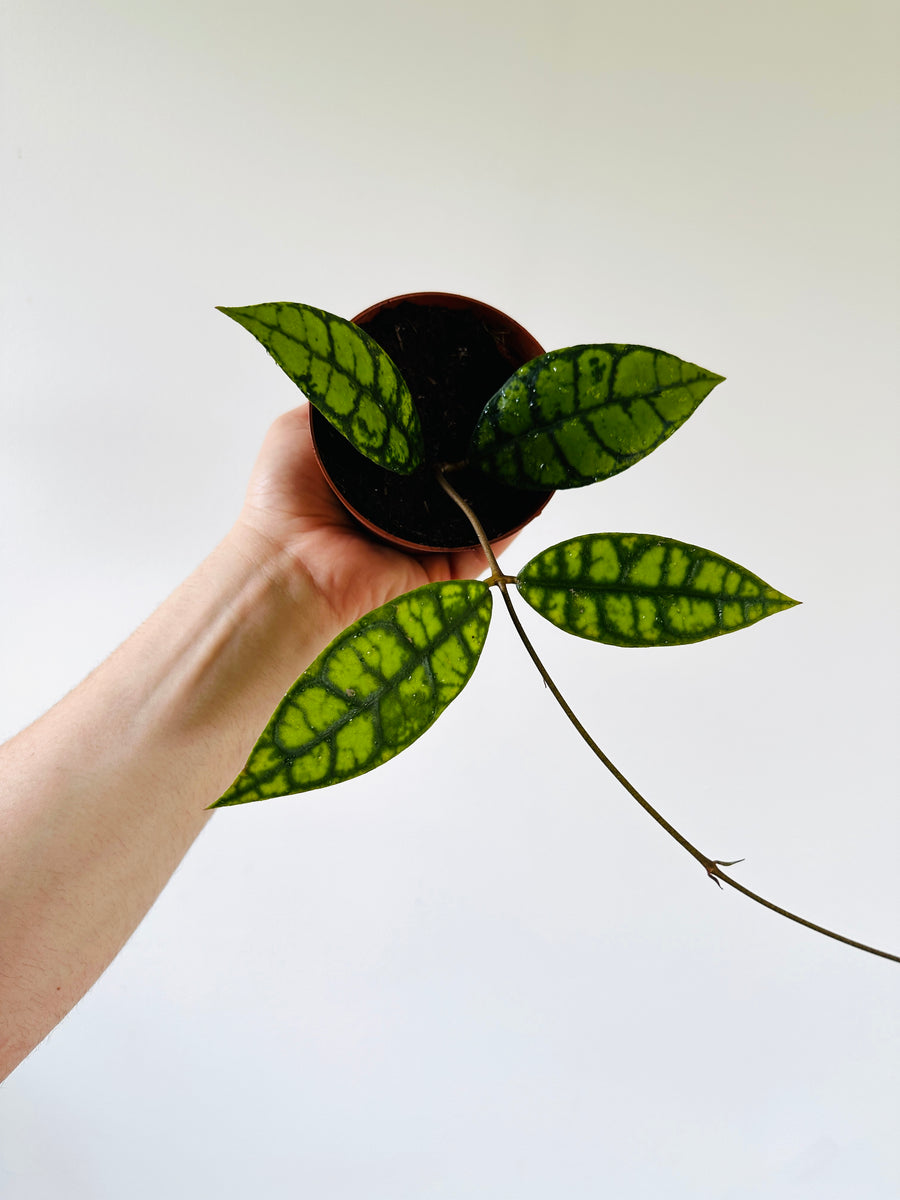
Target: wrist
pixel 260 621
pixel 197 683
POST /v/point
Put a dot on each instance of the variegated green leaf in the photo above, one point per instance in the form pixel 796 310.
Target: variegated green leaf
pixel 581 414
pixel 633 589
pixel 345 374
pixel 378 686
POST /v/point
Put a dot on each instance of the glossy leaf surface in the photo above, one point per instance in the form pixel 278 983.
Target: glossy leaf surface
pixel 378 686
pixel 634 589
pixel 575 416
pixel 345 374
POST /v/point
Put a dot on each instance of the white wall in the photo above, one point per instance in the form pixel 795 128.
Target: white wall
pixel 480 972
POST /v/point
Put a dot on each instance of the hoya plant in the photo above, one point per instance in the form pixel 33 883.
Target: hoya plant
pixel 565 419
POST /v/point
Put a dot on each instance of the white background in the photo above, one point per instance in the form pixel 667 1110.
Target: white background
pixel 481 971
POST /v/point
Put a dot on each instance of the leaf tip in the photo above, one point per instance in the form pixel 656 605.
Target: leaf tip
pixel 781 602
pixel 228 799
pixel 710 379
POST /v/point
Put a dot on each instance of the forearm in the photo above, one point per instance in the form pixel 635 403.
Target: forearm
pixel 102 796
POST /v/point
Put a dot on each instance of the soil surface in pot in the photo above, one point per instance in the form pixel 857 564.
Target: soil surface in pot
pixel 452 364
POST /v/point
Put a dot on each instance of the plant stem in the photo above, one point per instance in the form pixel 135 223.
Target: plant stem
pixel 712 866
pixel 497 575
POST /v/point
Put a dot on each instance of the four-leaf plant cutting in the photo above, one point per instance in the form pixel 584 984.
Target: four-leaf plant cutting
pixel 566 419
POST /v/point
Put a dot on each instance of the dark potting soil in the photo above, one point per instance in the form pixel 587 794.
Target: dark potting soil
pixel 452 364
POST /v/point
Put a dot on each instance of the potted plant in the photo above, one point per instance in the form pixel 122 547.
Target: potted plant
pixel 465 456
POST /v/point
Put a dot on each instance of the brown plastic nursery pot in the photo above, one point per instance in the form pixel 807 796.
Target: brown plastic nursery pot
pixel 454 353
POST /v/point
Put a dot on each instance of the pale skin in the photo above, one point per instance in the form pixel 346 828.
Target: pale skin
pixel 104 794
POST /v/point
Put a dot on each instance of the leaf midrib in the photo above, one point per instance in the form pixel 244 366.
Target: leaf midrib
pixel 374 696
pixel 332 363
pixel 552 426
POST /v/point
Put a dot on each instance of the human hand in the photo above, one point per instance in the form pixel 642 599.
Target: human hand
pixel 290 505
